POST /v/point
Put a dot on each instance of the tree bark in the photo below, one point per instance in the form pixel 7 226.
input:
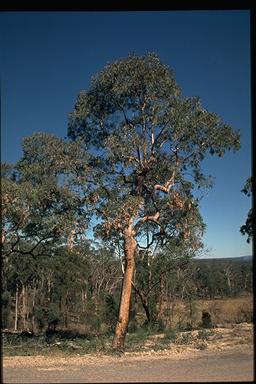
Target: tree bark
pixel 130 245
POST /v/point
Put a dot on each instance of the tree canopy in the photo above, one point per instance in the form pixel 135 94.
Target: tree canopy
pixel 43 202
pixel 148 140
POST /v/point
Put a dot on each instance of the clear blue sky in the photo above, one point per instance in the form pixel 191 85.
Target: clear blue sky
pixel 46 58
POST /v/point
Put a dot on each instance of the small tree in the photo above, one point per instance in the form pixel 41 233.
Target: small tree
pixel 146 142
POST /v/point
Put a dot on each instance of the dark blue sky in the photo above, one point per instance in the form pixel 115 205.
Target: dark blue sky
pixel 46 58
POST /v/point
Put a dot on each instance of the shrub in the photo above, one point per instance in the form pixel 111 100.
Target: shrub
pixel 184 338
pixel 133 326
pixel 111 311
pixel 244 314
pixel 206 320
pixel 170 334
pixel 204 334
pixel 53 316
pixel 40 317
pixel 91 318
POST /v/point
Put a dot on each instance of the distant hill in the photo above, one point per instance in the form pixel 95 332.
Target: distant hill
pixel 243 258
pixel 225 259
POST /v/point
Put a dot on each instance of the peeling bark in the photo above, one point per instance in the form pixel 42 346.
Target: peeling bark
pixel 130 245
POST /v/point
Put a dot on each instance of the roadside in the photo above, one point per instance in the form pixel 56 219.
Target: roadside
pixel 221 354
pixel 234 364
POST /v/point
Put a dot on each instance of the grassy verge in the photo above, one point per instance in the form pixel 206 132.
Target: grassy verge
pixel 15 345
pixel 143 339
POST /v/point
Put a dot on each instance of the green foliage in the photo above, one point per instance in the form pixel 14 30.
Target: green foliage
pixel 53 316
pixel 143 136
pixel 133 326
pixel 247 189
pixel 247 228
pixel 6 299
pixel 137 339
pixel 170 334
pixel 40 317
pixel 41 203
pixel 91 317
pixel 222 278
pixel 111 311
pixel 48 317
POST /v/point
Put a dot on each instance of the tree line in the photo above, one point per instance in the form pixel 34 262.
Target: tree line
pixel 78 289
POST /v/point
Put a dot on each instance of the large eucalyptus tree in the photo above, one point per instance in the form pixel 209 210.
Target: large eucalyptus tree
pixel 146 142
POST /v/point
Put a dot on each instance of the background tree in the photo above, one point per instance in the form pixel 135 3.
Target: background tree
pixel 146 143
pixel 155 276
pixel 247 228
pixel 43 209
pixel 42 202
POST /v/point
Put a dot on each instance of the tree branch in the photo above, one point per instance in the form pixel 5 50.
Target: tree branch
pixel 132 158
pixel 160 134
pixel 152 218
pixel 13 246
pixel 152 240
pixel 167 186
pixel 164 272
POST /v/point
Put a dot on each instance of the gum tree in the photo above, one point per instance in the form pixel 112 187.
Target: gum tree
pixel 43 210
pixel 42 198
pixel 146 142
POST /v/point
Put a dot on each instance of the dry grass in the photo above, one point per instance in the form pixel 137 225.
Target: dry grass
pixel 228 311
pixel 224 312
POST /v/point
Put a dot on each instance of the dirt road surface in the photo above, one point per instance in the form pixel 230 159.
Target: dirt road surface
pixel 231 365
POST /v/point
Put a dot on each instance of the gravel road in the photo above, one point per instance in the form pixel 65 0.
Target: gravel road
pixel 199 366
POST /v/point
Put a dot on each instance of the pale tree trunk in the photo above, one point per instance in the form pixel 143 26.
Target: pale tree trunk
pixel 130 245
pixel 83 296
pixel 16 308
pixel 24 309
pixel 33 308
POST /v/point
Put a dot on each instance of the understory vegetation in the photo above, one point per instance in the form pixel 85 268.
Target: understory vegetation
pixel 77 293
pixel 146 338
